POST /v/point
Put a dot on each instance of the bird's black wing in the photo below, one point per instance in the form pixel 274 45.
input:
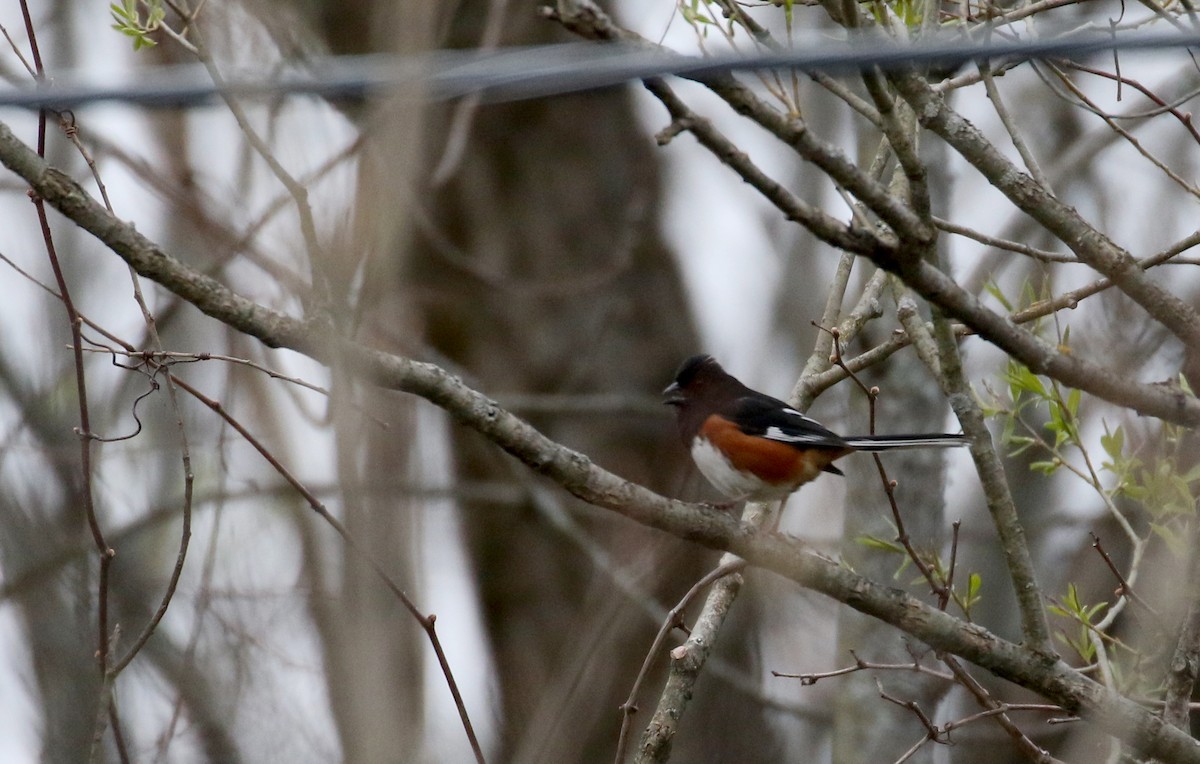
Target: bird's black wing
pixel 770 418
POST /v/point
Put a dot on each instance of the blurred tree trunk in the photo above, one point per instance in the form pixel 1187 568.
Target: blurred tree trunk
pixel 373 650
pixel 59 621
pixel 541 271
pixel 528 256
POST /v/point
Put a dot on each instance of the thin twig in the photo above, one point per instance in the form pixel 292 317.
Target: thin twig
pixel 889 486
pixel 1129 137
pixel 168 357
pixel 1124 588
pixel 862 665
pixel 1010 125
pixel 84 432
pixel 1044 255
pixel 298 192
pixel 1025 745
pixel 931 730
pixel 71 130
pixel 427 622
pixel 1164 107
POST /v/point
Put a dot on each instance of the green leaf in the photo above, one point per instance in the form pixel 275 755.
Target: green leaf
pixel 1072 598
pixel 874 542
pixel 972 596
pixel 130 23
pixel 1113 443
pixel 1022 380
pixel 991 288
pixel 1020 449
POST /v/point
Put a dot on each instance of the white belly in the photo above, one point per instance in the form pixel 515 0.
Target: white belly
pixel 732 482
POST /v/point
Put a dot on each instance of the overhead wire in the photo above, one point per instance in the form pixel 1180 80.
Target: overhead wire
pixel 518 73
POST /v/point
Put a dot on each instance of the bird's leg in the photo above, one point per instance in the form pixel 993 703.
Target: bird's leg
pixel 723 506
pixel 779 514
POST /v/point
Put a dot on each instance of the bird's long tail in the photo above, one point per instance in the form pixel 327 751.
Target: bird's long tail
pixel 888 442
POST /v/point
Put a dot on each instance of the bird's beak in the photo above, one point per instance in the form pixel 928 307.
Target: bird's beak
pixel 673 395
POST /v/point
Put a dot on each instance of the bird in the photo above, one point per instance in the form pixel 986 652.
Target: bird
pixel 753 447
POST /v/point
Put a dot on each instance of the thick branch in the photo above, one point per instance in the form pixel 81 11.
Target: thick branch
pixel 1165 402
pixel 1168 402
pixel 824 226
pixel 575 473
pixel 1089 245
pixel 585 19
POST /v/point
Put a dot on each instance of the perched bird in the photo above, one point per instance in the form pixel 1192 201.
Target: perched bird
pixel 754 447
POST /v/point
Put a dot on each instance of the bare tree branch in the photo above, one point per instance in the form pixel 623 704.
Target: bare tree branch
pixel 1088 244
pixel 575 473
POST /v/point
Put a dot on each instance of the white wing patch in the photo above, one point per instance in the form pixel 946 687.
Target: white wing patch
pixel 810 430
pixel 774 433
pixel 804 418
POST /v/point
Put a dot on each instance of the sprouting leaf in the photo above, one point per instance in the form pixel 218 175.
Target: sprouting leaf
pixel 1048 467
pixel 1073 399
pixel 874 542
pixel 973 594
pixel 129 21
pixel 1022 380
pixel 994 290
pixel 1113 443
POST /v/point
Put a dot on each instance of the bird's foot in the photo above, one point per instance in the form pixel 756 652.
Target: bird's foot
pixel 722 506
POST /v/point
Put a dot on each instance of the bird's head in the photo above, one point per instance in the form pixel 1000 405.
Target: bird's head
pixel 699 375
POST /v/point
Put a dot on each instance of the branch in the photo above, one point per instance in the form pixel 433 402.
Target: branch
pixel 688 659
pixel 848 237
pixel 1089 245
pixel 1185 660
pixel 1018 560
pixel 575 473
pixel 586 20
pixel 1165 402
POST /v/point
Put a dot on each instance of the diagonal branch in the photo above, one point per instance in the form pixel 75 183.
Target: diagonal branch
pixel 586 20
pixel 575 473
pixel 846 236
pixel 1166 402
pixel 1089 245
pixel 278 330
